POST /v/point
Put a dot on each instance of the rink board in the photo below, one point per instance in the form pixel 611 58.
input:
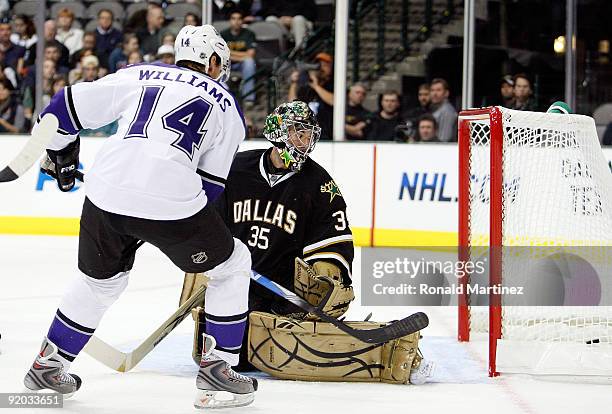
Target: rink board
pixel 397 194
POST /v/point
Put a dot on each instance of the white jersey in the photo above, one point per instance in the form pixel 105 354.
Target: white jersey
pixel 178 133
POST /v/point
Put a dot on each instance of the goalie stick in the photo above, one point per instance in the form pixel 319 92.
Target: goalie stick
pixel 31 152
pixel 394 330
pixel 125 361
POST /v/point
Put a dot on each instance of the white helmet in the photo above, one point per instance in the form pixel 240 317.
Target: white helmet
pixel 198 43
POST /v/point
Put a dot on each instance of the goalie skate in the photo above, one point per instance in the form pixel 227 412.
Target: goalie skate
pixel 219 386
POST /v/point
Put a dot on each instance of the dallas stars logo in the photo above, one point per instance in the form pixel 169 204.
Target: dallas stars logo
pixel 287 158
pixel 332 189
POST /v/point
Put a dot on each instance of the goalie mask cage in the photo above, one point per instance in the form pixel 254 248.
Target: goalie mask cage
pixel 535 179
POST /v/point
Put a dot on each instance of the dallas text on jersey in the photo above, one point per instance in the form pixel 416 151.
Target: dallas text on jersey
pixel 282 217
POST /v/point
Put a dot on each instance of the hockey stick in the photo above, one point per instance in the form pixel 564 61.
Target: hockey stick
pixel 125 361
pixel 394 330
pixel 31 152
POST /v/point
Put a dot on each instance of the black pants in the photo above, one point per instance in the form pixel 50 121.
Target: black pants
pixel 108 241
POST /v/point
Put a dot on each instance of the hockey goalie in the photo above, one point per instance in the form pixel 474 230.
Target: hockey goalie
pixel 291 215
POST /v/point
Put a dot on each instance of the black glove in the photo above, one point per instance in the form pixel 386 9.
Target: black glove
pixel 66 163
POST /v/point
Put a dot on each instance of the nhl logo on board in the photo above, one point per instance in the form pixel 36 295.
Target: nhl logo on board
pixel 199 257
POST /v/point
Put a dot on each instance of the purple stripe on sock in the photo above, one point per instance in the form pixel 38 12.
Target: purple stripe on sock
pixel 58 107
pixel 66 338
pixel 227 335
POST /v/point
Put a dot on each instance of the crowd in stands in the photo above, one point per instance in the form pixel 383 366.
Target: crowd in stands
pixel 73 55
pixel 433 119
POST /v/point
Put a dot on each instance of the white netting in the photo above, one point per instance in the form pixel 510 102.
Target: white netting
pixel 557 192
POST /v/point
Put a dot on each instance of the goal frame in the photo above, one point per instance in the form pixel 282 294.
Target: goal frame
pixel 496 147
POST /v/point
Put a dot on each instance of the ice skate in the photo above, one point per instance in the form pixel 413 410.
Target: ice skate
pixel 47 373
pixel 423 373
pixel 218 385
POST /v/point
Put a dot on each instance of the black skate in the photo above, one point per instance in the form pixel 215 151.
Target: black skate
pixel 219 386
pixel 47 373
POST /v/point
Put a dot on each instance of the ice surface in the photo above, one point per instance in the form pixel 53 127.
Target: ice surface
pixel 35 270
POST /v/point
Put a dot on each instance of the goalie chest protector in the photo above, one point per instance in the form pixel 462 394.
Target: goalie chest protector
pixel 279 218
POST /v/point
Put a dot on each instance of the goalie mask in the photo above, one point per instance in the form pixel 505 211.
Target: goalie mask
pixel 293 129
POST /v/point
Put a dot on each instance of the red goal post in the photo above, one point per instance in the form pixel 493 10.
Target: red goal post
pixel 494 116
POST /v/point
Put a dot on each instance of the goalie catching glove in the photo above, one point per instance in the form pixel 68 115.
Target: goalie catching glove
pixel 321 286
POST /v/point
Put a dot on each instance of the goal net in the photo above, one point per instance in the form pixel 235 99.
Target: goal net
pixel 535 200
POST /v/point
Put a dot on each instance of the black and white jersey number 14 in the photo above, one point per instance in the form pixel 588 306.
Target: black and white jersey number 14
pixel 259 237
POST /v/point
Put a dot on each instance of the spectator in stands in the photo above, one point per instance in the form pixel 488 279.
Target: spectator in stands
pixel 223 8
pixel 24 34
pixel 150 36
pixel 292 16
pixel 136 22
pixel 412 115
pixel 168 39
pixel 119 58
pixel 165 54
pixel 13 54
pixel 427 129
pixel 8 108
pixel 59 82
pixel 69 36
pixel 52 52
pixel 241 43
pixel 506 91
pixel 91 67
pixel 29 88
pixel 386 122
pixel 7 72
pixel 89 47
pixel 251 10
pixel 107 37
pixel 76 74
pixel 443 111
pixel 135 57
pixel 523 101
pixel 316 87
pixel 357 118
pixel 49 34
pixel 191 19
pixel 49 77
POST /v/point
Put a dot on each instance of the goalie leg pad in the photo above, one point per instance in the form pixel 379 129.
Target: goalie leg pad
pixel 191 284
pixel 318 351
pixel 199 317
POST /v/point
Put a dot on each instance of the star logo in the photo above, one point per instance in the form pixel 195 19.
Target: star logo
pixel 287 158
pixel 332 189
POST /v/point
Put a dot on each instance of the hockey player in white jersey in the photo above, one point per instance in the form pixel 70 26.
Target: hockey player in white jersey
pixel 154 180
